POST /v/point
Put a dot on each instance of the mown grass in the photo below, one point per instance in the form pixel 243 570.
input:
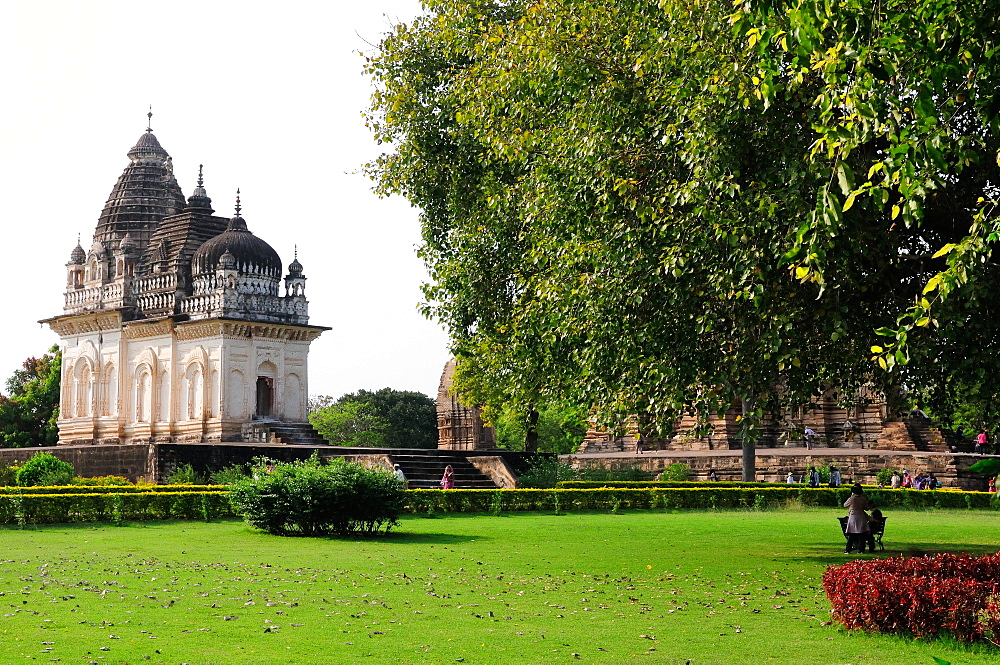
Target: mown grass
pixel 709 587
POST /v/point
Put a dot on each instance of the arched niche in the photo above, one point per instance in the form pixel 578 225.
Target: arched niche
pixel 144 386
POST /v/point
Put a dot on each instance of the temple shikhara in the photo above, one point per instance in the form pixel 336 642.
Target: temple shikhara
pixel 178 325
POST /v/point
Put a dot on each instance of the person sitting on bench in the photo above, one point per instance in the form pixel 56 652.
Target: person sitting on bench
pixel 875 524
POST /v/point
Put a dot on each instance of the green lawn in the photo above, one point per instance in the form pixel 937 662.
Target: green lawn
pixel 726 587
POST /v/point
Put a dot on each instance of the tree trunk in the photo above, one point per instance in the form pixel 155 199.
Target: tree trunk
pixel 749 443
pixel 531 432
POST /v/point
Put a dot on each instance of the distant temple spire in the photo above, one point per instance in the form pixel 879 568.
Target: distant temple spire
pixel 149 121
pixel 238 207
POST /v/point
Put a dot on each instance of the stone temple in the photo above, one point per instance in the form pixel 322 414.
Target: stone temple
pixel 178 325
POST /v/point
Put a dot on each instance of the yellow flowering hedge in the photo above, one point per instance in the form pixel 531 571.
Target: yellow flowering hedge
pixel 28 508
pixel 110 489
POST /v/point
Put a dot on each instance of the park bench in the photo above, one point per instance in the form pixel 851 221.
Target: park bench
pixel 877 529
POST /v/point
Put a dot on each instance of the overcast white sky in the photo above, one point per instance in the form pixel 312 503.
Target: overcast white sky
pixel 268 96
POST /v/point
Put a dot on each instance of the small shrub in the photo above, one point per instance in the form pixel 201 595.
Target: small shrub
pixel 230 475
pixel 920 595
pixel 101 481
pixel 8 474
pixel 884 477
pixel 677 472
pixel 44 469
pixel 545 472
pixel 309 498
pixel 185 475
pixel 496 504
pixel 627 474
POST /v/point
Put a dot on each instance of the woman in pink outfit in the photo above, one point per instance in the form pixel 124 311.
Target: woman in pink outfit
pixel 448 479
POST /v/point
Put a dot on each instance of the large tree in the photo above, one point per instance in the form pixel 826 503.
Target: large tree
pixel 657 207
pixel 385 417
pixel 29 411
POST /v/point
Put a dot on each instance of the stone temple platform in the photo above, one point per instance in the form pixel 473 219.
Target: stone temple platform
pixel 774 464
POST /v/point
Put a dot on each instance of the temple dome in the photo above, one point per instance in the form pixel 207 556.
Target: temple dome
pixel 77 255
pixel 249 253
pixel 147 147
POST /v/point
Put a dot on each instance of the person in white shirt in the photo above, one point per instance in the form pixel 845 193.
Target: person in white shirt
pixel 402 476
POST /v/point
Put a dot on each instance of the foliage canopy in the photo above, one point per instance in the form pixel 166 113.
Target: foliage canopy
pixel 657 207
pixel 29 411
pixel 381 418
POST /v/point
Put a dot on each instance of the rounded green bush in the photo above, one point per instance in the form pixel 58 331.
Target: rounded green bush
pixel 310 498
pixel 44 469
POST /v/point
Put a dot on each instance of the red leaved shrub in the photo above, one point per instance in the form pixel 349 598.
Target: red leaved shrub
pixel 921 595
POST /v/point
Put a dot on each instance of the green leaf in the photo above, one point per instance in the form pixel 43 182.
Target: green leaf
pixel 932 284
pixel 850 201
pixel 944 250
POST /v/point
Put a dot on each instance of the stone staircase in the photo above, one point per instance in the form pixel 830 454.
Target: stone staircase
pixel 278 432
pixel 913 433
pixel 895 436
pixel 425 471
pixel 926 437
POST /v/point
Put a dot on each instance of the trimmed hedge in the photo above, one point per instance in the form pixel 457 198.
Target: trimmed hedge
pixel 112 489
pixel 473 501
pixel 30 508
pixel 639 484
pixel 920 595
pixel 35 505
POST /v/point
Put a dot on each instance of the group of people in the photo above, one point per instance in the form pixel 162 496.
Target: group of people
pixel 861 525
pixel 923 481
pixel 447 480
pixel 812 478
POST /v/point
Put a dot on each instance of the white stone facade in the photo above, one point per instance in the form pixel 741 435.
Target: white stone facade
pixel 164 381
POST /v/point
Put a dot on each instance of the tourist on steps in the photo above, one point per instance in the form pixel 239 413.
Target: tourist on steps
pixel 448 479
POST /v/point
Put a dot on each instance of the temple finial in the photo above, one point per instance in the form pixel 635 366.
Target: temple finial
pixel 296 251
pixel 149 121
pixel 238 207
pixel 201 181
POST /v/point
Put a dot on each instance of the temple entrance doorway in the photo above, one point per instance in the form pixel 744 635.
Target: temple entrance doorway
pixel 265 396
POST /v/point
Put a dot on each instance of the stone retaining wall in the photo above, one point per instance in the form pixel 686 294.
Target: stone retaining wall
pixel 950 469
